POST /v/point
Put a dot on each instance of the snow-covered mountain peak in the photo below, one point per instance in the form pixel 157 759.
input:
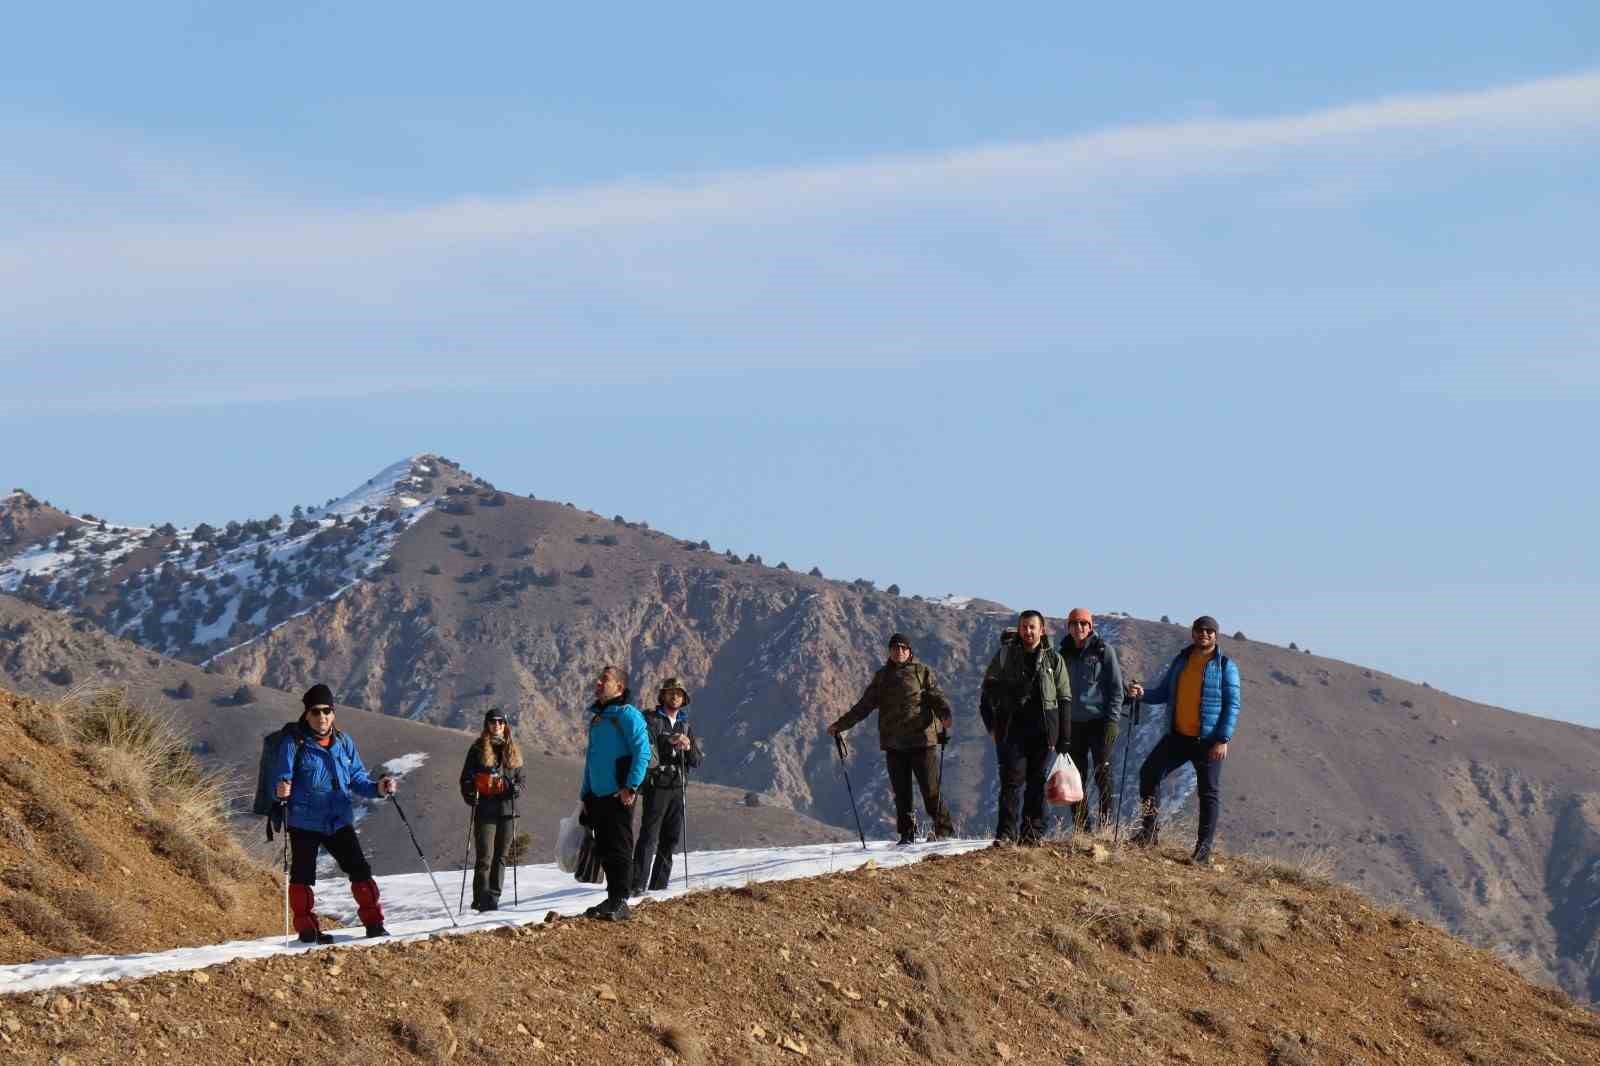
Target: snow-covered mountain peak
pixel 192 593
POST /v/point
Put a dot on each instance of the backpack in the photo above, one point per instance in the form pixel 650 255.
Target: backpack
pixel 625 762
pixel 266 803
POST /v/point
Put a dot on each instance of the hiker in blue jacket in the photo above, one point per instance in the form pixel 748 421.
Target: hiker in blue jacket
pixel 1201 691
pixel 318 772
pixel 613 770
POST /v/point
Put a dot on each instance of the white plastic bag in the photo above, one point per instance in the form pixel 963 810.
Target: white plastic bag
pixel 568 840
pixel 1064 785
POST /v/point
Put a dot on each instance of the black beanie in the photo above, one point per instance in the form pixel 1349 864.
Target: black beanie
pixel 900 638
pixel 494 714
pixel 1205 621
pixel 318 695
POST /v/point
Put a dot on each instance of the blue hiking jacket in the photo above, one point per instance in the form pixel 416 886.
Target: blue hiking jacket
pixel 322 780
pixel 608 743
pixel 1219 695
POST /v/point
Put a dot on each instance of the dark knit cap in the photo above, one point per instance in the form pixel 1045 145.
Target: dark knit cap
pixel 317 695
pixel 1205 621
pixel 494 714
pixel 900 639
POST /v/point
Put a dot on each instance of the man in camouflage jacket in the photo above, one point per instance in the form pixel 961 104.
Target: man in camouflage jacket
pixel 913 717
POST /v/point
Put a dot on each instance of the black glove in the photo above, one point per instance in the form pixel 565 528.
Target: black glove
pixel 583 816
pixel 944 737
pixel 1063 750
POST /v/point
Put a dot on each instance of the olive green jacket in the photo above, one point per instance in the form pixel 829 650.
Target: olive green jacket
pixel 909 703
pixel 1004 693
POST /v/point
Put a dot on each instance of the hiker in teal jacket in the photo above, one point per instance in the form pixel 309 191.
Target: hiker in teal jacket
pixel 613 769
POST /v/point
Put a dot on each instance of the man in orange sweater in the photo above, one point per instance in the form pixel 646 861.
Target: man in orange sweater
pixel 1201 691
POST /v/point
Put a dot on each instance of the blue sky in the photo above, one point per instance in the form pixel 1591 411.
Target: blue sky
pixel 1286 317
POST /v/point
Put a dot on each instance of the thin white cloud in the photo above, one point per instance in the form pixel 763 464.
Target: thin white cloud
pixel 1567 106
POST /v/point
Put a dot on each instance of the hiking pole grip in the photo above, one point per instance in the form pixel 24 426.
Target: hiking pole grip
pixel 839 744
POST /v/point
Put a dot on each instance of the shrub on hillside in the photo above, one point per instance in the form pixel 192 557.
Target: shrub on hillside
pixel 36 920
pixel 585 571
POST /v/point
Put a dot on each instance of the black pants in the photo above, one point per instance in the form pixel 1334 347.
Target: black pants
pixel 1090 747
pixel 491 838
pixel 1171 752
pixel 1023 762
pixel 612 824
pixel 923 764
pixel 344 846
pixel 660 830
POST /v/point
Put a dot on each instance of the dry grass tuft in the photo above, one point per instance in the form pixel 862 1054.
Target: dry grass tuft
pixel 1287 1050
pixel 1448 1034
pixel 919 968
pixel 91 913
pixel 1072 944
pixel 753 892
pixel 1216 1022
pixel 35 919
pixel 1090 1007
pixel 332 1024
pixel 423 1041
pixel 1310 869
pixel 14 832
pixel 43 813
pixel 683 1043
pixel 24 877
pixel 1425 999
pixel 466 1013
pixel 175 843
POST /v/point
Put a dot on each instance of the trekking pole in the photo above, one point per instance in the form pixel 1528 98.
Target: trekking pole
pixel 838 742
pixel 516 897
pixel 442 902
pixel 285 813
pixel 1122 785
pixel 685 828
pixel 472 824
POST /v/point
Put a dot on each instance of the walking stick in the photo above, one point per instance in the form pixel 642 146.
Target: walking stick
pixel 838 742
pixel 516 897
pixel 1122 785
pixel 285 815
pixel 472 823
pixel 686 826
pixel 442 902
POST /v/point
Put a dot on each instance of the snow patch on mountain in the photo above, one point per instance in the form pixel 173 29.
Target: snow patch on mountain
pixel 195 593
pixel 958 603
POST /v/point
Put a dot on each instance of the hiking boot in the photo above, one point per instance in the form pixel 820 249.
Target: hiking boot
pixel 1201 856
pixel 906 838
pixel 1004 842
pixel 375 931
pixel 488 905
pixel 1146 836
pixel 613 910
pixel 314 936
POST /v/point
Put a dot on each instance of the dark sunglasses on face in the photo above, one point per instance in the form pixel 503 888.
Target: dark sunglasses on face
pixel 321 710
pixel 1205 629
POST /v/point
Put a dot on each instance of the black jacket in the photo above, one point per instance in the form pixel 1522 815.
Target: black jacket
pixel 490 807
pixel 669 774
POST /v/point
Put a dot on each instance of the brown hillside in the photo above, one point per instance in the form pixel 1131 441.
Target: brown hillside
pixel 1022 956
pixel 98 855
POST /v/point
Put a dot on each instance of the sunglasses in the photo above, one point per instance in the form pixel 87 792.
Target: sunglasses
pixel 321 710
pixel 1080 622
pixel 1204 629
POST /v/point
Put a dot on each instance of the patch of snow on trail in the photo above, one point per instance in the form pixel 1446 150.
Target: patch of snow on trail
pixel 412 908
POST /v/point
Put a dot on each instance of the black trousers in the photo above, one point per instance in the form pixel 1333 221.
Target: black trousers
pixel 491 838
pixel 1090 748
pixel 344 846
pixel 1171 752
pixel 660 830
pixel 612 825
pixel 923 764
pixel 1023 762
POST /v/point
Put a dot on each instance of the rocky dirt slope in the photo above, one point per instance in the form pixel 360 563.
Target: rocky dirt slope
pixel 1020 956
pixel 96 855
